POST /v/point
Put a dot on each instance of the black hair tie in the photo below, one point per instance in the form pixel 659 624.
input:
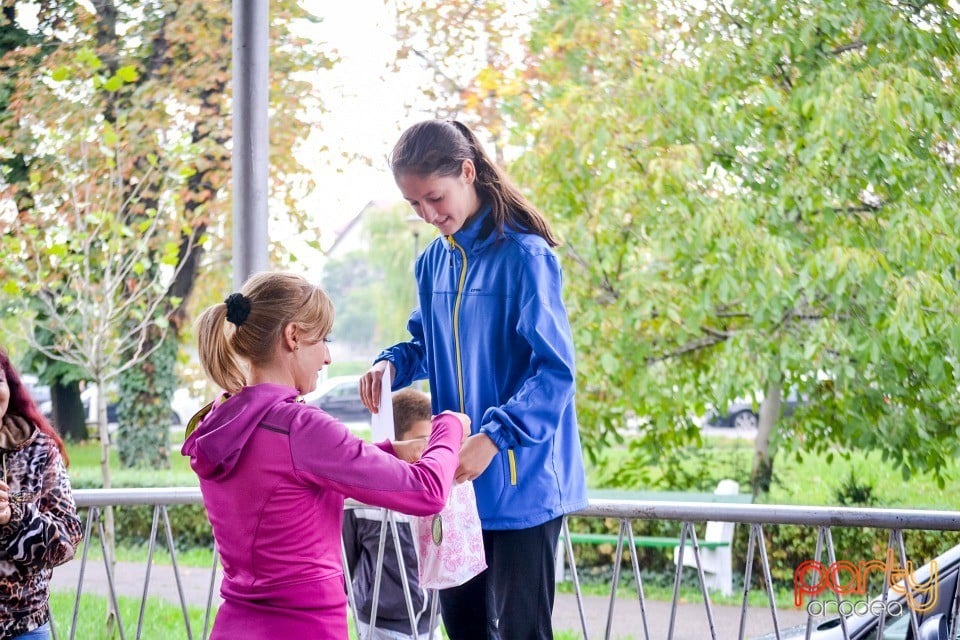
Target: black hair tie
pixel 238 308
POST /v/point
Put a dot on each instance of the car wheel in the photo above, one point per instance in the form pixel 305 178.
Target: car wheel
pixel 745 420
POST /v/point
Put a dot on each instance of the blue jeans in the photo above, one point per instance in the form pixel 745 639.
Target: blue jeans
pixel 40 633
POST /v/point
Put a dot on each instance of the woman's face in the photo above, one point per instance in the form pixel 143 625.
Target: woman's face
pixel 311 358
pixel 4 393
pixel 446 202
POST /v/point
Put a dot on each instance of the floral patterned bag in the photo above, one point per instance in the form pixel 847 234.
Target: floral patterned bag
pixel 450 543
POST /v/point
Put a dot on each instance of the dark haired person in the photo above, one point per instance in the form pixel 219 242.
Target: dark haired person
pixel 491 334
pixel 39 527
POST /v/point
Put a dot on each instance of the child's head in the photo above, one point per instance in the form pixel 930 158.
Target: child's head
pixel 411 414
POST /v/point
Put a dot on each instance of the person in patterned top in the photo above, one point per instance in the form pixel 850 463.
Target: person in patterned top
pixel 39 527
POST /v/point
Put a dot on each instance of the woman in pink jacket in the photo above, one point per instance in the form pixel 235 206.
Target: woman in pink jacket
pixel 274 472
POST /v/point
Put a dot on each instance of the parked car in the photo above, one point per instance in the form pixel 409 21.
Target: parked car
pixel 743 414
pixel 933 624
pixel 340 397
pixel 39 392
pixel 183 406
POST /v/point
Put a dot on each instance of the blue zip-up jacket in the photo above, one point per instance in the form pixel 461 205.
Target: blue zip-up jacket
pixel 492 333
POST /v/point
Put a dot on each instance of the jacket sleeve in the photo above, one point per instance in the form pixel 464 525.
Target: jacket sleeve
pixel 44 533
pixel 409 357
pixel 532 414
pixel 326 453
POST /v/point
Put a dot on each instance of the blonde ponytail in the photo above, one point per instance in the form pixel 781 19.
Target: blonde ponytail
pixel 248 325
pixel 217 357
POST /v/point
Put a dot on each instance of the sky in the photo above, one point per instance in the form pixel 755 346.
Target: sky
pixel 366 114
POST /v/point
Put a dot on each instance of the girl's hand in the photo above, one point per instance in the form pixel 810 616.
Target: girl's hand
pixel 5 511
pixel 370 384
pixel 475 456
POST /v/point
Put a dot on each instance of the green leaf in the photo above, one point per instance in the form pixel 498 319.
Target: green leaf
pixel 128 73
pixel 87 57
pixel 109 134
pixel 60 74
pixel 113 84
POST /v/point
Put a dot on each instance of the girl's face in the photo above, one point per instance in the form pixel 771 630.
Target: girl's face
pixel 446 202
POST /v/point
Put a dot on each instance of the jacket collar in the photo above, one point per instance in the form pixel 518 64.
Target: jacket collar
pixel 473 236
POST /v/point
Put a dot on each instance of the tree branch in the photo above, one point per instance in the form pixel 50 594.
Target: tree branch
pixel 850 46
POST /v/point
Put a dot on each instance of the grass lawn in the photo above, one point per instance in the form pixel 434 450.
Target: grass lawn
pixel 161 619
pixel 814 479
pixel 85 472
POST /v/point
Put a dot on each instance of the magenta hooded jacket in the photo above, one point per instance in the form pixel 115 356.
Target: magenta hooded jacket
pixel 274 473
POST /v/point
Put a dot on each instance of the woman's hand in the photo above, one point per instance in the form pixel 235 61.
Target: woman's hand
pixel 464 422
pixel 409 450
pixel 370 384
pixel 5 511
pixel 475 457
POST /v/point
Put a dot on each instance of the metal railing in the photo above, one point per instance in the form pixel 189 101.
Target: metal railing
pixel 824 519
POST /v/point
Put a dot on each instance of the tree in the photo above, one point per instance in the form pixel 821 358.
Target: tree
pixel 756 196
pixel 468 49
pixel 160 74
pixel 92 280
pixel 373 288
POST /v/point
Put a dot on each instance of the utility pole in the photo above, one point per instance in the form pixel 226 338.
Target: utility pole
pixel 251 70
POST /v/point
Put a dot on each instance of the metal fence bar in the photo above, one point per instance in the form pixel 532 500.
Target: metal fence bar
pixel 765 565
pixel 747 573
pixel 625 511
pixel 775 514
pixel 616 579
pixel 574 577
pixel 213 584
pixel 146 581
pixel 631 509
pixel 639 581
pixel 176 571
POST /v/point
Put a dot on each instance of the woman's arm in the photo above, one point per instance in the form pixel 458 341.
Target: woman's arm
pixel 45 532
pixel 338 460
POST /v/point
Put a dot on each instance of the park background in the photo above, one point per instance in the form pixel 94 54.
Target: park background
pixel 756 200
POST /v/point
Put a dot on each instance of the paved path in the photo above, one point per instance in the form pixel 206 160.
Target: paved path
pixel 691 620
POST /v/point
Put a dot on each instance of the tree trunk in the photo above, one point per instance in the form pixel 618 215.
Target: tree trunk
pixel 762 473
pixel 146 390
pixel 143 411
pixel 68 417
pixel 109 535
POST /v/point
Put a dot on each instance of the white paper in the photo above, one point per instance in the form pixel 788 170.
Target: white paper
pixel 381 423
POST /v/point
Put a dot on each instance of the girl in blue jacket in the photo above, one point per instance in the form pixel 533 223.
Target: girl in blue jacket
pixel 492 336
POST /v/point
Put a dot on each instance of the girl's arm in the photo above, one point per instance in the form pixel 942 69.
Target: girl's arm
pixel 531 415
